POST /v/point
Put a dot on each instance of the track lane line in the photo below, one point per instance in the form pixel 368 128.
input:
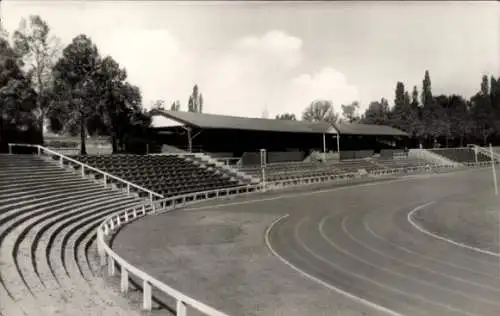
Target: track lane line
pixel 369 280
pixel 413 223
pixel 389 271
pixel 413 252
pixel 319 281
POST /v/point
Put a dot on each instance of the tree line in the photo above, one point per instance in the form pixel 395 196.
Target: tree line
pixel 447 120
pixel 195 102
pixel 74 89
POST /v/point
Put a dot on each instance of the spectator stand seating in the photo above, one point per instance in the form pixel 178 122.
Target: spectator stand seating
pixel 461 155
pixel 168 175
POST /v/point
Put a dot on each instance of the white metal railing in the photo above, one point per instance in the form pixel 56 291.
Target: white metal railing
pixel 112 259
pixel 85 168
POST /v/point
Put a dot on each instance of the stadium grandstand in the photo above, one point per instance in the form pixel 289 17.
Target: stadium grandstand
pixel 52 204
pixel 284 140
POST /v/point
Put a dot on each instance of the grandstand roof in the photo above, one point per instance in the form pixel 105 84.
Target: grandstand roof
pixel 368 129
pixel 203 120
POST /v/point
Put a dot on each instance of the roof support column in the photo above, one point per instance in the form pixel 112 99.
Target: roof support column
pixel 190 140
pixel 324 147
pixel 338 144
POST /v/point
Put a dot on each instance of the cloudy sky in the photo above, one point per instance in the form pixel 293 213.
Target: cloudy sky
pixel 247 56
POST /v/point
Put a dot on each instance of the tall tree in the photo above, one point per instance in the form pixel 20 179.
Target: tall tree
pixel 195 102
pixel 286 116
pixel 350 112
pixel 482 112
pixel 39 51
pixel 17 98
pixel 320 111
pixel 495 102
pixel 176 106
pixel 426 90
pixel 115 97
pixel 432 127
pixel 459 119
pixel 378 112
pixel 158 104
pixel 74 83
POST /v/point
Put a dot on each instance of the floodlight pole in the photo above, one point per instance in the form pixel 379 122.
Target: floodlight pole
pixel 263 168
pixel 494 171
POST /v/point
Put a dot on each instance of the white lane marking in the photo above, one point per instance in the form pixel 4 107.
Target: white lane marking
pixel 345 230
pixel 301 194
pixel 319 281
pixel 367 279
pixel 413 223
pixel 446 263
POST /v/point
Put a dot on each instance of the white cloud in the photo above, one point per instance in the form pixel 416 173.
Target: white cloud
pixel 154 60
pixel 257 71
pixel 252 72
pixel 246 77
pixel 276 47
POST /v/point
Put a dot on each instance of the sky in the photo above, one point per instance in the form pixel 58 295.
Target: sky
pixel 251 57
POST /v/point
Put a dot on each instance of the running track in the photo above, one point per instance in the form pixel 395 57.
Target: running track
pixel 360 242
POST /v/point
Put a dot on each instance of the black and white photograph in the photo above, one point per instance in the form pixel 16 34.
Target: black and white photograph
pixel 249 158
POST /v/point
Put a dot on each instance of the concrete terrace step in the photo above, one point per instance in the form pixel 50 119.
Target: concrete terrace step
pixel 26 204
pixel 23 184
pixel 38 187
pixel 46 231
pixel 31 231
pixel 46 192
pixel 37 175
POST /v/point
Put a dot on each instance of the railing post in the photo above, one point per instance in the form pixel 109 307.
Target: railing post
pixel 83 171
pixel 111 266
pixel 146 295
pixel 10 149
pixel 38 150
pixel 124 280
pixel 128 188
pixel 103 259
pixel 61 163
pixel 181 309
pixel 151 196
pixel 105 181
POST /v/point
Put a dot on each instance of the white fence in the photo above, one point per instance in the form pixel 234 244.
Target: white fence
pixel 112 259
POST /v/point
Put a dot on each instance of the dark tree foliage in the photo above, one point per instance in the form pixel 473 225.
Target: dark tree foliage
pixel 286 116
pixel 17 100
pixel 450 120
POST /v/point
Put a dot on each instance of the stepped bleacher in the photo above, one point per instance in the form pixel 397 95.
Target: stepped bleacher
pixel 401 162
pixel 168 175
pixel 48 217
pixel 461 155
pixel 283 171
